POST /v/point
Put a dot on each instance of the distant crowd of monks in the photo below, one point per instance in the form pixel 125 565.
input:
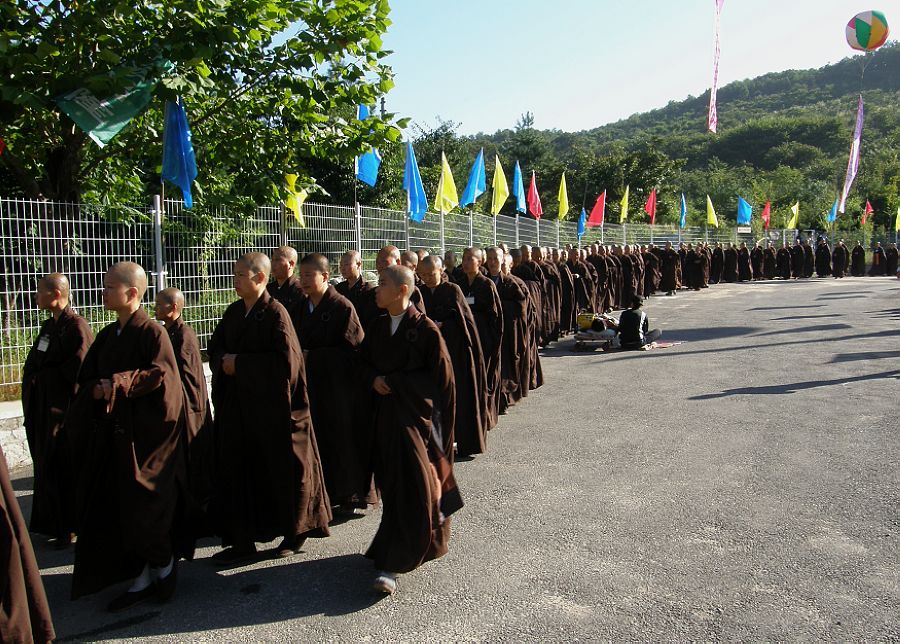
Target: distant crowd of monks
pixel 329 397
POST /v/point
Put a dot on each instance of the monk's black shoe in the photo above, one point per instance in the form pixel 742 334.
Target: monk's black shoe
pixel 165 587
pixel 234 555
pixel 128 599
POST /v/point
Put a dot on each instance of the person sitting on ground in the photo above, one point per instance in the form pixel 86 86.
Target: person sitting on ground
pixel 634 327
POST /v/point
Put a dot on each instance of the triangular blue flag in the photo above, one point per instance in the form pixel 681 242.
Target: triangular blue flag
pixel 833 214
pixel 582 223
pixel 179 166
pixel 416 201
pixel 367 164
pixel 683 221
pixel 745 212
pixel 519 189
pixel 477 183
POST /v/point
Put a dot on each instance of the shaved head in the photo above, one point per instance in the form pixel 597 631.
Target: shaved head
pixel 256 263
pixel 430 262
pixel 387 256
pixel 399 276
pixel 171 296
pixel 410 259
pixel 287 252
pixel 130 275
pixel 317 261
pixel 57 282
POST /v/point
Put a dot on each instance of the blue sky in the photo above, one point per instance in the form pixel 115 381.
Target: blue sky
pixel 578 64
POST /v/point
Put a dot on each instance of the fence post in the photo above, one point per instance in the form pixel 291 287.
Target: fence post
pixel 282 233
pixel 443 247
pixel 358 217
pixel 495 228
pixel 471 230
pixel 537 228
pixel 601 234
pixel 406 230
pixel 557 233
pixel 157 242
pixel 624 235
pixel 518 244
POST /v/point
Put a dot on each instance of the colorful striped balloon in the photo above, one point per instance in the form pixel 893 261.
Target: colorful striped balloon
pixel 867 31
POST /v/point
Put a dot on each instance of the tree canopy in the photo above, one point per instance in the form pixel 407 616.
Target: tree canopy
pixel 268 85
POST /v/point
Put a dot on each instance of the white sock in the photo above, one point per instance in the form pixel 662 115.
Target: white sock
pixel 142 581
pixel 165 571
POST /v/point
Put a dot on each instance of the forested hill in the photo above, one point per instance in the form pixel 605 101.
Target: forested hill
pixel 783 137
pixel 822 91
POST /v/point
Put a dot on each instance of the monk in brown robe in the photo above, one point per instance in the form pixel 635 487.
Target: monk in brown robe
pixel 285 286
pixel 354 285
pixel 530 273
pixel 197 412
pixel 128 414
pixel 514 354
pixel 24 611
pixel 405 362
pixel 567 310
pixel 534 377
pixel 583 282
pixel 448 309
pixel 268 474
pixel 48 386
pixel 330 333
pixel 552 292
pixel 482 298
pixel 368 309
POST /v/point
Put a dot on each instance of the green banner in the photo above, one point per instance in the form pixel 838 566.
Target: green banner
pixel 103 118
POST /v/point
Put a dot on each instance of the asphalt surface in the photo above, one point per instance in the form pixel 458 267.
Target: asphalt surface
pixel 741 485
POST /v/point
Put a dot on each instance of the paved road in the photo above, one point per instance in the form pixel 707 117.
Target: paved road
pixel 742 485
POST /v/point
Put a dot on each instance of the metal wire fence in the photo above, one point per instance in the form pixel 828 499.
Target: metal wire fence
pixel 194 250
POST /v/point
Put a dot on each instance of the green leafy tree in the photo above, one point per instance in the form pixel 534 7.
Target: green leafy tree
pixel 269 86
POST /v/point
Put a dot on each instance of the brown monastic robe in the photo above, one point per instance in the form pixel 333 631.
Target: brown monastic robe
pixel 289 293
pixel 530 273
pixel 554 298
pixel 412 470
pixel 670 264
pixel 567 309
pixel 481 296
pixel 355 294
pixel 330 336
pixel 24 611
pixel 268 474
pixel 132 505
pixel 534 375
pixel 515 372
pixel 48 386
pixel 603 300
pixel 584 286
pixel 198 423
pixel 447 307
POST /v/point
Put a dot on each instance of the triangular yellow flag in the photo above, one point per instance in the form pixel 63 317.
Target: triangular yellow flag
pixel 623 214
pixel 499 188
pixel 295 199
pixel 795 218
pixel 563 198
pixel 446 198
pixel 711 218
pixel 897 223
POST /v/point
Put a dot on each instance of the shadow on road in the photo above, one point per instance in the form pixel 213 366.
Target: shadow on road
pixel 207 599
pixel 807 329
pixel 865 355
pixel 796 386
pixel 708 333
pixel 788 318
pixel 787 308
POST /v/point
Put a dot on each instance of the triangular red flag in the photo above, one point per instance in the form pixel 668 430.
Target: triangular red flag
pixel 650 207
pixel 534 199
pixel 767 214
pixel 2 146
pixel 598 211
pixel 868 211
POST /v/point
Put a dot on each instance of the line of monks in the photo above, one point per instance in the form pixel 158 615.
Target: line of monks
pixel 132 467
